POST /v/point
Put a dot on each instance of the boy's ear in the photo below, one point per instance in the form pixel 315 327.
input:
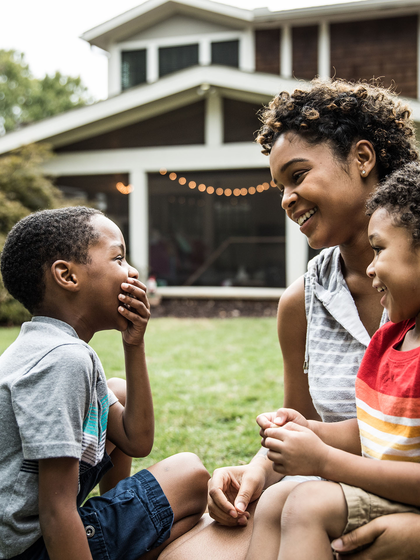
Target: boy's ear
pixel 64 274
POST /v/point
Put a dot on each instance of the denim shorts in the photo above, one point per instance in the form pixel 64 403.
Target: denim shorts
pixel 124 523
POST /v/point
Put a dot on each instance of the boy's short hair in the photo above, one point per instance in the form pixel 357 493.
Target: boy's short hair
pixel 37 241
pixel 399 195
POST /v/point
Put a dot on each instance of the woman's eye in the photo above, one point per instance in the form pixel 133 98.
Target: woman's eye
pixel 377 250
pixel 298 176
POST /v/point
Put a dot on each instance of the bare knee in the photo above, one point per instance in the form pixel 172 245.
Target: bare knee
pixel 315 503
pixel 271 503
pixel 119 387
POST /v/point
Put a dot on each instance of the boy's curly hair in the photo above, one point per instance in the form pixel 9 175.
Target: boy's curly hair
pixel 38 240
pixel 399 195
pixel 341 113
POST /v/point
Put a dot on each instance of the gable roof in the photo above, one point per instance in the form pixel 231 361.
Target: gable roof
pixel 152 12
pixel 147 100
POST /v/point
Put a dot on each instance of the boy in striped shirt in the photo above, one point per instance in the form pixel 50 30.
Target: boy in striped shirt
pixel 387 429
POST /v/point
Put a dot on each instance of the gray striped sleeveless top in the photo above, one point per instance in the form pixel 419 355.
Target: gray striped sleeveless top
pixel 336 339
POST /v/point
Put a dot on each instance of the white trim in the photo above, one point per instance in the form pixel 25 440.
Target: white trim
pixel 247 51
pixel 241 155
pixel 114 72
pixel 217 292
pixel 232 79
pixel 286 52
pixel 152 63
pixel 138 212
pixel 324 54
pixel 213 125
pixel 204 51
pixel 296 252
pixel 181 41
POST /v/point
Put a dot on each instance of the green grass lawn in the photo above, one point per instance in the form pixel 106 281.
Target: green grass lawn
pixel 210 378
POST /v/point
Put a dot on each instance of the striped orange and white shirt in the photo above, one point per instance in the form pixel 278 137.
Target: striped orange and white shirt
pixel 388 397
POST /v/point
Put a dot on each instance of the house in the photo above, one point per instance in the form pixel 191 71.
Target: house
pixel 170 154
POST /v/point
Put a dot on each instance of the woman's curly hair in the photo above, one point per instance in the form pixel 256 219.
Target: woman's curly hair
pixel 341 113
pixel 399 195
pixel 35 242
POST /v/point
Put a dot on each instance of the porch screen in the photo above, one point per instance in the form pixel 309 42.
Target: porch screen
pixel 133 68
pixel 172 59
pixel 225 53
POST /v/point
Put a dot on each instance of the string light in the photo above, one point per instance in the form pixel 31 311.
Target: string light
pixel 124 189
pixel 219 191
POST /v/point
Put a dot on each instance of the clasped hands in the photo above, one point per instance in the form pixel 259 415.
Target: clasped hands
pixel 293 446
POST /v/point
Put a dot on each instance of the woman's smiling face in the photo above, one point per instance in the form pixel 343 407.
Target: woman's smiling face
pixel 323 195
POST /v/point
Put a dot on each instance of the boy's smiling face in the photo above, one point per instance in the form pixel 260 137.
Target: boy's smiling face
pixel 102 277
pixel 395 269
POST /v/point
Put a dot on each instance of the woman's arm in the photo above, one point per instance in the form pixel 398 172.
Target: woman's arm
pixel 291 328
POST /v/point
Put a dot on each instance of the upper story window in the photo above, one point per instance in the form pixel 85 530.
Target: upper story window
pixel 225 53
pixel 176 58
pixel 133 68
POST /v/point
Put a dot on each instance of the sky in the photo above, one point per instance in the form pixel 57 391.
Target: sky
pixel 48 31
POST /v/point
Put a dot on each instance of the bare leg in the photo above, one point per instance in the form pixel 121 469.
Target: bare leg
pixel 121 461
pixel 314 514
pixel 183 479
pixel 211 541
pixel 267 521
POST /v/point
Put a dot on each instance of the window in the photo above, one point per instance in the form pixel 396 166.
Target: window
pixel 172 59
pixel 133 68
pixel 225 53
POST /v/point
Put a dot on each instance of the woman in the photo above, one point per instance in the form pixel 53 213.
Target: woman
pixel 329 146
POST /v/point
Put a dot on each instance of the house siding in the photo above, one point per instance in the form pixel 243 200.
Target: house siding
pixel 240 120
pixel 305 52
pixel 267 51
pixel 175 128
pixel 385 48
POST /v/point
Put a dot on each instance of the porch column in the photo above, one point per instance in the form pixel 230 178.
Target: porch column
pixel 286 52
pixel 324 55
pixel 138 215
pixel 296 252
pixel 214 119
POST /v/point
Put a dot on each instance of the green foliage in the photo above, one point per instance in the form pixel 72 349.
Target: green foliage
pixel 25 99
pixel 23 189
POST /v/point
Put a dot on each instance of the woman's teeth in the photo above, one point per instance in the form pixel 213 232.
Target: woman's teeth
pixel 302 219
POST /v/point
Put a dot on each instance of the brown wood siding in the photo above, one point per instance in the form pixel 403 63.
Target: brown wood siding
pixel 385 48
pixel 240 121
pixel 305 52
pixel 267 51
pixel 179 127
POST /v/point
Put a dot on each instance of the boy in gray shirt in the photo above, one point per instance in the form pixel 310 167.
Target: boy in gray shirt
pixel 60 421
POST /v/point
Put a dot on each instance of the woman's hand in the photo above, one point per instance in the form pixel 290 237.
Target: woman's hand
pixel 231 489
pixel 394 537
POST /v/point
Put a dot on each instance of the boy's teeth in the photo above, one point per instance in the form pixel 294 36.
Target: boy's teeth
pixel 302 219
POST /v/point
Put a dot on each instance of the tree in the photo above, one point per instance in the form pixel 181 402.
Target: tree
pixel 25 99
pixel 23 189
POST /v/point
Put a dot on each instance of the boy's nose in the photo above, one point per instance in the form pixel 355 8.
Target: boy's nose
pixel 370 271
pixel 133 272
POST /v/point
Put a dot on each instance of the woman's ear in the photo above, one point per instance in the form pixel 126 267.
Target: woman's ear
pixel 366 157
pixel 64 274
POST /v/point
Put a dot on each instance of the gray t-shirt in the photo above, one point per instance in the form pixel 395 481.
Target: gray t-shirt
pixel 54 402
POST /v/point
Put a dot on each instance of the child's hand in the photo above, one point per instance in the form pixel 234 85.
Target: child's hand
pixel 295 450
pixel 280 418
pixel 136 309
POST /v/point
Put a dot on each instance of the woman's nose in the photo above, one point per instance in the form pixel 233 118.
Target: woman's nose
pixel 289 198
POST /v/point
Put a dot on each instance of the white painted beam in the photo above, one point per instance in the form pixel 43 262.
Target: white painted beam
pixel 296 252
pixel 286 52
pixel 138 212
pixel 324 55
